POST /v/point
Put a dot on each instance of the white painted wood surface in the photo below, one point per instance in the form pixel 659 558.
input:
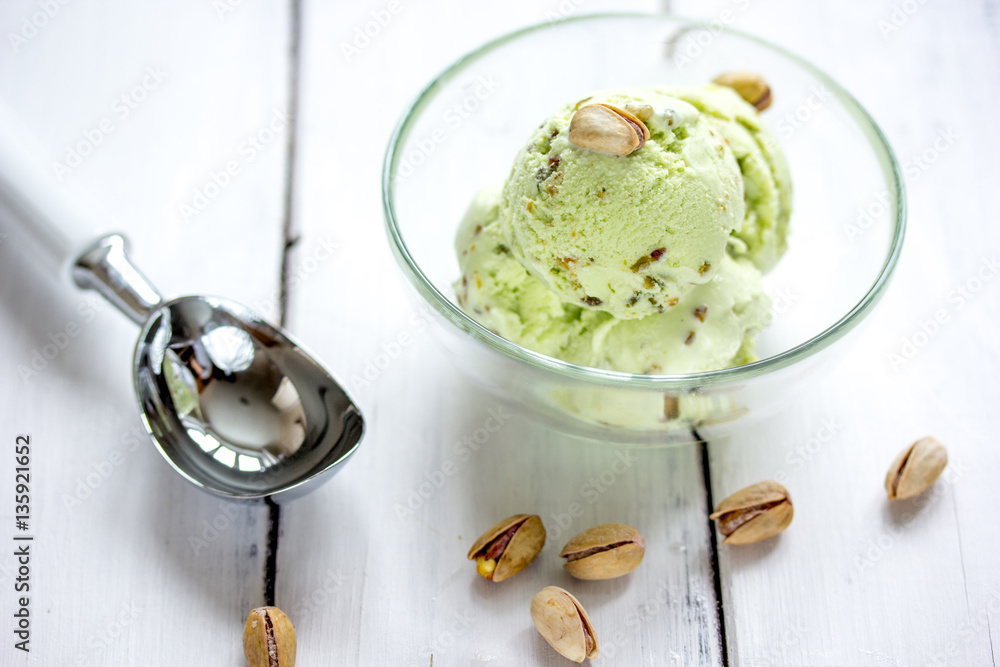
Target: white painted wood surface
pixel 856 581
pixel 372 567
pixel 385 579
pixel 117 569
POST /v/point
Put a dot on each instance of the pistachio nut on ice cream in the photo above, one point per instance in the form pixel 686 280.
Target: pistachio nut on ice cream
pixel 631 233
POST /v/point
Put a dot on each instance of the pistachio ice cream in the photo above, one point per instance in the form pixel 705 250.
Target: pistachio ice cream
pixel 627 235
pixel 712 325
pixel 631 233
pixel 767 186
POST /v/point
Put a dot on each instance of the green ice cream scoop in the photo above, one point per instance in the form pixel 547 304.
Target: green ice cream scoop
pixel 499 293
pixel 628 235
pixel 712 325
pixel 641 260
pixel 767 184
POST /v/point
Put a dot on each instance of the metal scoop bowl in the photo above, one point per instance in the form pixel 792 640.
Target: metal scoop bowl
pixel 234 404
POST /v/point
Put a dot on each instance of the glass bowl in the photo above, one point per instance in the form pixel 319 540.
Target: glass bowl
pixel 847 226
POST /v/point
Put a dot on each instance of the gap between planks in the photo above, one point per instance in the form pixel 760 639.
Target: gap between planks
pixel 720 618
pixel 289 237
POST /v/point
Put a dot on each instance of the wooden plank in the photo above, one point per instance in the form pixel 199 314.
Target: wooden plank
pixel 856 581
pixel 159 97
pixel 853 582
pixel 372 568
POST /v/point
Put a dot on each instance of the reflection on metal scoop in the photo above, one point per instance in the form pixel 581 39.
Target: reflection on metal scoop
pixel 235 405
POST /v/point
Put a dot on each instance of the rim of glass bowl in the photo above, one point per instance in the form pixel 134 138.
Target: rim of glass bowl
pixel 456 316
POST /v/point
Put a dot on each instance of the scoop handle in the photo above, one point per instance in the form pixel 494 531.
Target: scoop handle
pixel 60 224
pixel 60 220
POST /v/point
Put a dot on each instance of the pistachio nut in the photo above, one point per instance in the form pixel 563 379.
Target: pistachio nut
pixel 604 552
pixel 751 86
pixel 671 407
pixel 915 469
pixel 607 129
pixel 269 639
pixel 562 621
pixel 755 513
pixel 508 547
pixel 641 111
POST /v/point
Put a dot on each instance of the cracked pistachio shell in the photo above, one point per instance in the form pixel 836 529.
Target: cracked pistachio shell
pixel 915 469
pixel 564 624
pixel 269 638
pixel 607 129
pixel 755 513
pixel 525 544
pixel 604 552
pixel 751 86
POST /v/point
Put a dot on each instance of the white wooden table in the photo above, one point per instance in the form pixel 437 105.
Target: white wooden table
pixel 130 565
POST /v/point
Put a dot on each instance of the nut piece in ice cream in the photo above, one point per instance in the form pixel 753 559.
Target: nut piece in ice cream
pixel 604 552
pixel 641 111
pixel 915 469
pixel 269 638
pixel 625 236
pixel 607 129
pixel 751 86
pixel 508 547
pixel 755 513
pixel 563 622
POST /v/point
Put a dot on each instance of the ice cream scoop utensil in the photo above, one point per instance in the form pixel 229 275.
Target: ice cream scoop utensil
pixel 233 403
